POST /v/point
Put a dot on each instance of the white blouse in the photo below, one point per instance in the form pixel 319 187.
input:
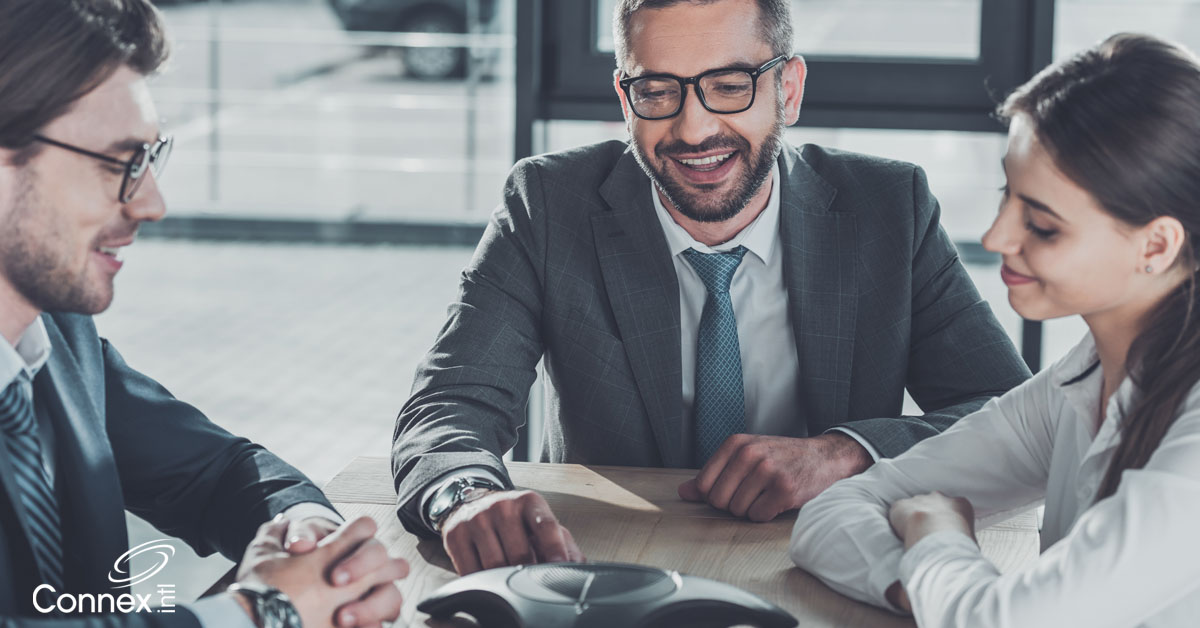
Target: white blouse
pixel 1132 559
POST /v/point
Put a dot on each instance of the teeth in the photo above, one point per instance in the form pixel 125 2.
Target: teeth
pixel 715 159
pixel 113 251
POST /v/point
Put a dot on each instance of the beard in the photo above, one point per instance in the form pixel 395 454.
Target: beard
pixel 35 257
pixel 705 205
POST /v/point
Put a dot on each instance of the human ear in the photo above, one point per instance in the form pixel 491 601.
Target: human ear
pixel 621 95
pixel 1162 239
pixel 795 71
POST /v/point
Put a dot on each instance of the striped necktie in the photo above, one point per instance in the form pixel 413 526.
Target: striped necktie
pixel 25 456
pixel 719 406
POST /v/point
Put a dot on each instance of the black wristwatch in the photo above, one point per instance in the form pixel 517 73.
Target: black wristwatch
pixel 272 608
pixel 455 493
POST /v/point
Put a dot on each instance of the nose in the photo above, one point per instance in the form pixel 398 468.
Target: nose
pixel 1006 233
pixel 147 205
pixel 694 124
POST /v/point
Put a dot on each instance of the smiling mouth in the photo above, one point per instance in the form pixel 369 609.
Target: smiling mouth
pixel 712 162
pixel 115 252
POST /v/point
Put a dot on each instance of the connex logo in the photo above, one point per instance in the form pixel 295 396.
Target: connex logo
pixel 121 578
pixel 119 575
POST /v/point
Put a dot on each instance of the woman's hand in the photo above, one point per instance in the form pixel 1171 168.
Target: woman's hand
pixel 917 517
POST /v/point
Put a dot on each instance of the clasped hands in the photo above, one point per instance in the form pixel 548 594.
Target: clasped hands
pixel 336 575
pixel 752 476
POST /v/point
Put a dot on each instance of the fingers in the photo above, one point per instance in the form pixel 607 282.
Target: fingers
pixel 515 541
pixel 460 546
pixel 738 469
pixel 548 539
pixel 343 540
pixel 366 558
pixel 574 554
pixel 752 488
pixel 381 604
pixel 270 537
pixel 304 535
pixel 689 491
pixel 716 464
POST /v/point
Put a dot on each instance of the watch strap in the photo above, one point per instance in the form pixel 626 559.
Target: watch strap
pixel 272 607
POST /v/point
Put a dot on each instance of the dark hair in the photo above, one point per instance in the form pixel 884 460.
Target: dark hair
pixel 1122 120
pixel 53 52
pixel 774 18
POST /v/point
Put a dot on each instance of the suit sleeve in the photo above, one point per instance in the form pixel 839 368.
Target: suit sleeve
pixel 959 355
pixel 188 477
pixel 470 392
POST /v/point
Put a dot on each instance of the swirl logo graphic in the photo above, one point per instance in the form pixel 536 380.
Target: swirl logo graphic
pixel 120 575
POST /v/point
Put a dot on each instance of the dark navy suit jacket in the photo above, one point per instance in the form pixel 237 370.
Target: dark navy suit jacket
pixel 123 442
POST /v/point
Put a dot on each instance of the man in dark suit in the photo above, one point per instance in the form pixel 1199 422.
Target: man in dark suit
pixel 83 436
pixel 703 296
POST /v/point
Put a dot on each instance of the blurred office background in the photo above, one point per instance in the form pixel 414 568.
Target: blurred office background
pixel 335 162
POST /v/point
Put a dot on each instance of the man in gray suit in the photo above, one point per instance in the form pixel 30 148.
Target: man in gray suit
pixel 703 296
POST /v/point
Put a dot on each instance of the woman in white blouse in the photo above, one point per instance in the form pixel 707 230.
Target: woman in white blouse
pixel 1101 218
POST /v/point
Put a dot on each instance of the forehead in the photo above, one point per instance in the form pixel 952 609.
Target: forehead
pixel 1031 170
pixel 120 108
pixel 689 38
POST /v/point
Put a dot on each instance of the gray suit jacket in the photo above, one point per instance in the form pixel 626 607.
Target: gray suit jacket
pixel 574 267
pixel 123 442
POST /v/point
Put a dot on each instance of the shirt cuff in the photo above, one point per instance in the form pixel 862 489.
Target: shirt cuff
pixel 221 611
pixel 934 548
pixel 306 510
pixel 871 451
pixel 480 472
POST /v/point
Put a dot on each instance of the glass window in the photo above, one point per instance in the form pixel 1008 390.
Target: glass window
pixel 866 28
pixel 290 110
pixel 1081 23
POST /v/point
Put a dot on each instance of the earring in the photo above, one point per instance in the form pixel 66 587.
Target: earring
pixel 1149 269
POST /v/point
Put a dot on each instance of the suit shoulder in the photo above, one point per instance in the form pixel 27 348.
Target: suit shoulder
pixel 582 166
pixel 843 167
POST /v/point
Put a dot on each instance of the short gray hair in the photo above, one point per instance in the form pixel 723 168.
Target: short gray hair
pixel 774 17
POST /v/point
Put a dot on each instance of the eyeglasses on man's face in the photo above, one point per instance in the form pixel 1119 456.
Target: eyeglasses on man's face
pixel 724 90
pixel 147 157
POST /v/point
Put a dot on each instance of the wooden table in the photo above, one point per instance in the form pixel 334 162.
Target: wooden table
pixel 626 514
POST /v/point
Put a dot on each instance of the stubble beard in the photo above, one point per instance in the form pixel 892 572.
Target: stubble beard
pixel 35 259
pixel 702 206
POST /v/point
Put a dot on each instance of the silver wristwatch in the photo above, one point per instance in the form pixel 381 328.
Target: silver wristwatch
pixel 272 608
pixel 455 493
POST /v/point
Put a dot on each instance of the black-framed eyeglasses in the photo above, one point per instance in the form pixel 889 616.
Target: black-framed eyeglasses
pixel 152 157
pixel 723 90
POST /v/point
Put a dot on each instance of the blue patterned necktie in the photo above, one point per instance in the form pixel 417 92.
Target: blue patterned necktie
pixel 25 456
pixel 720 404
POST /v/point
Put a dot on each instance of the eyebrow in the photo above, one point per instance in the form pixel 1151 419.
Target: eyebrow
pixel 126 145
pixel 738 63
pixel 1033 203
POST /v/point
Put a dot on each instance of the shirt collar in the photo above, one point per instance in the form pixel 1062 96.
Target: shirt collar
pixel 28 356
pixel 758 237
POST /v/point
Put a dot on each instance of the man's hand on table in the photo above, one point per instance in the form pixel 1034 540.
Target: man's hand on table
pixel 758 477
pixel 506 528
pixel 345 580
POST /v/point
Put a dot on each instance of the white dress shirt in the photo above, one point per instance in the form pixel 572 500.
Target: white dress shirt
pixel 24 360
pixel 1132 559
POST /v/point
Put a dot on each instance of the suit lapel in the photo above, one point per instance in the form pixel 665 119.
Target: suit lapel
pixel 87 483
pixel 644 294
pixel 820 249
